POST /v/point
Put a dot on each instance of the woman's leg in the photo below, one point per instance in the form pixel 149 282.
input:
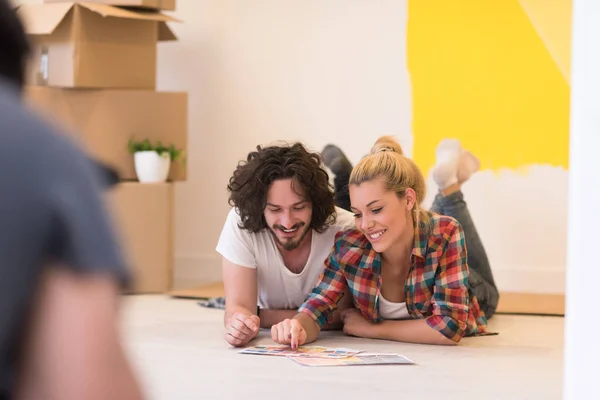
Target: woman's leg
pixel 338 163
pixel 450 201
pixel 481 278
pixel 436 206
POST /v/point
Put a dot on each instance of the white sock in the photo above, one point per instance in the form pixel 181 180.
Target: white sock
pixel 467 166
pixel 447 154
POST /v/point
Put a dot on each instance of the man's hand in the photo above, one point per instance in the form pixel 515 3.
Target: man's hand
pixel 289 331
pixel 355 324
pixel 241 329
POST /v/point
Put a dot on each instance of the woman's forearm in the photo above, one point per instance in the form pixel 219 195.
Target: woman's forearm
pixel 411 331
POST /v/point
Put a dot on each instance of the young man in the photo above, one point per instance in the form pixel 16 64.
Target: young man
pixel 276 238
pixel 60 266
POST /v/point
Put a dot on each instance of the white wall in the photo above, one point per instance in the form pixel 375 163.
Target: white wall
pixel 269 70
pixel 581 339
pixel 328 72
pixel 324 72
pixel 521 218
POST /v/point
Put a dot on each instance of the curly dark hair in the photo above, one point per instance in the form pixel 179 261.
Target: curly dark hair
pixel 252 179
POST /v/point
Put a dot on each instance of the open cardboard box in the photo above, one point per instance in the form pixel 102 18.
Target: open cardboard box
pixel 167 5
pixel 89 45
pixel 102 121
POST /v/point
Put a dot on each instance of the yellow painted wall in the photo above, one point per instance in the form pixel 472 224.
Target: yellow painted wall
pixel 552 21
pixel 480 72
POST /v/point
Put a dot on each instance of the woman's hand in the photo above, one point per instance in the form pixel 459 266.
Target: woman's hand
pixel 355 324
pixel 289 331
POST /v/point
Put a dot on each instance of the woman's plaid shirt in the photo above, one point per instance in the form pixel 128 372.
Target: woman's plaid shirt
pixel 436 289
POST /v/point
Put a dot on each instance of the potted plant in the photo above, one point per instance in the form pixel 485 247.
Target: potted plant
pixel 153 161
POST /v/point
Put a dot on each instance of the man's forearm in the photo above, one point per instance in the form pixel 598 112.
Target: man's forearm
pixel 270 317
pixel 230 310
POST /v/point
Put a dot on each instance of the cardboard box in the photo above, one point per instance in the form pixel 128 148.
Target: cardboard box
pixel 143 216
pixel 87 45
pixel 167 5
pixel 103 121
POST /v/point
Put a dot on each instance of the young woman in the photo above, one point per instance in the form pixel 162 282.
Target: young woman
pixel 405 267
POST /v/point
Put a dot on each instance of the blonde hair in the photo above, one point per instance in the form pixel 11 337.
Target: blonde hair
pixel 399 173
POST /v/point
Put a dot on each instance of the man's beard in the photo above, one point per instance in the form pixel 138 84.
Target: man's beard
pixel 289 245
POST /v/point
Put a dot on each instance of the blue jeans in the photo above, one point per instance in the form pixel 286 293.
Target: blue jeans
pixel 481 279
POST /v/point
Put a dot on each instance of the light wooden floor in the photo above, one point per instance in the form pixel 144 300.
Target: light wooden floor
pixel 177 348
pixel 510 302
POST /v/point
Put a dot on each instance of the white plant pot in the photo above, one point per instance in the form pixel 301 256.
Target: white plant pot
pixel 151 167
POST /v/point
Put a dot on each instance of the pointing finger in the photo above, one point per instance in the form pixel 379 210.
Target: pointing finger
pixel 294 334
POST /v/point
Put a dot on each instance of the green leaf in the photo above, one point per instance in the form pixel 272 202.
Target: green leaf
pixel 176 154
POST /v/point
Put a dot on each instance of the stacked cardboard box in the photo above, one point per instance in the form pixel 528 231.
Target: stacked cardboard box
pixel 93 72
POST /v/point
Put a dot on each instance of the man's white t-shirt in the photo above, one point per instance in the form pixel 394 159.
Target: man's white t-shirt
pixel 278 288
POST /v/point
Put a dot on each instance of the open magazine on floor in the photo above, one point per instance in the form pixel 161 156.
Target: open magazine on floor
pixel 317 356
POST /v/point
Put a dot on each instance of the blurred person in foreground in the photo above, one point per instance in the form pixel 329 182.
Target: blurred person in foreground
pixel 61 270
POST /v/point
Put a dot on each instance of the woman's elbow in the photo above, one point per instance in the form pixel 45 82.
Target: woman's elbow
pixel 449 331
pixel 444 341
pixel 454 339
pixel 450 337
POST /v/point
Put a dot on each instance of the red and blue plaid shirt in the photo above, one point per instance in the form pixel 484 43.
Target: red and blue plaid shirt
pixel 436 288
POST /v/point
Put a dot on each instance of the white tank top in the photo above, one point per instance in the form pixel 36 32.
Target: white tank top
pixel 389 310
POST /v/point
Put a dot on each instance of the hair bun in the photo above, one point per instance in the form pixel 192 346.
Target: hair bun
pixel 387 143
pixel 385 148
